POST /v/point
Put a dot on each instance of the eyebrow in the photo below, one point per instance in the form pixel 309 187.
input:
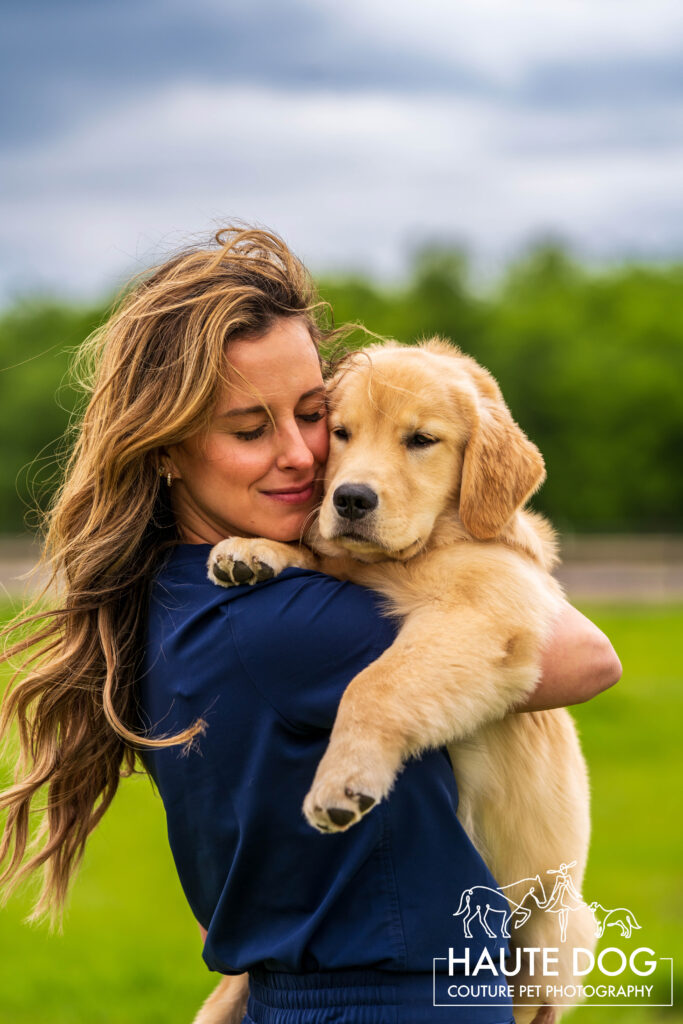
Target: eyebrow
pixel 261 408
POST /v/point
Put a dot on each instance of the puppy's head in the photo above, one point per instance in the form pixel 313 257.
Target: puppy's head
pixel 416 432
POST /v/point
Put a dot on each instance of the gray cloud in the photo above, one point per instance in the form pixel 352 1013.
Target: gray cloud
pixel 67 61
pixel 75 60
pixel 357 130
pixel 613 82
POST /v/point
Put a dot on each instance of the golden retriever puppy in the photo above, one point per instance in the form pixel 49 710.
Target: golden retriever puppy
pixel 426 484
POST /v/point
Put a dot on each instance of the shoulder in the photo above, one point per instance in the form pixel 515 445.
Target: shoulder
pixel 301 604
pixel 298 602
pixel 303 637
pixel 299 639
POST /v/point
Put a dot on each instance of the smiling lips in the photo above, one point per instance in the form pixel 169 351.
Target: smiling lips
pixel 293 495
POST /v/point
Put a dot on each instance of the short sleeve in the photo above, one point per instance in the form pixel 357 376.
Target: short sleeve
pixel 303 637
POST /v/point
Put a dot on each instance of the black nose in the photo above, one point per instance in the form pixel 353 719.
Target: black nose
pixel 353 501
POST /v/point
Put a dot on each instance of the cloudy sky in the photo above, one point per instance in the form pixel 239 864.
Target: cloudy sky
pixel 359 130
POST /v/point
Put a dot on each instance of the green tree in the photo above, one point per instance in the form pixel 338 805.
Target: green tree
pixel 590 362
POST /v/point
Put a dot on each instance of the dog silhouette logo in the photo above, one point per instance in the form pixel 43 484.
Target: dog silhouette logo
pixel 619 917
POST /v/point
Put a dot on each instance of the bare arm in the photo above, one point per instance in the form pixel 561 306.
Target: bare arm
pixel 578 663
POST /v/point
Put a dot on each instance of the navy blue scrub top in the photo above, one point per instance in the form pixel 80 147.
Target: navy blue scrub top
pixel 266 667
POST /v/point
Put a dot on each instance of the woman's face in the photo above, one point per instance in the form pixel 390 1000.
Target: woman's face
pixel 250 476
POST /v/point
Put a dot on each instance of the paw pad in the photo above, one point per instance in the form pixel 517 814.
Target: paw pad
pixel 338 816
pixel 233 572
pixel 337 819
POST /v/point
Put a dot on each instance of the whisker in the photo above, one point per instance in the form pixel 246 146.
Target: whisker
pixel 308 520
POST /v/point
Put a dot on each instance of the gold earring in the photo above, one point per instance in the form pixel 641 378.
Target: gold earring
pixel 169 478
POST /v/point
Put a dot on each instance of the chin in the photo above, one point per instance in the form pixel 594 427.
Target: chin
pixel 288 533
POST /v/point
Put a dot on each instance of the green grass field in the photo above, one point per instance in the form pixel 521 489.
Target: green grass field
pixel 130 952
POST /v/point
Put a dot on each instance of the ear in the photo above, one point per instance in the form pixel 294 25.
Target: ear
pixel 168 464
pixel 501 469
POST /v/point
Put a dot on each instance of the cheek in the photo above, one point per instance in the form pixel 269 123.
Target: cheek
pixel 320 442
pixel 237 465
pixel 440 476
pixel 245 466
pixel 335 454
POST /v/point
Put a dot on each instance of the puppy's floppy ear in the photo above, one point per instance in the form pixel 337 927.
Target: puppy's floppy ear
pixel 501 469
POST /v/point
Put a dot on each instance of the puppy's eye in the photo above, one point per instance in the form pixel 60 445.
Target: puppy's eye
pixel 341 433
pixel 421 441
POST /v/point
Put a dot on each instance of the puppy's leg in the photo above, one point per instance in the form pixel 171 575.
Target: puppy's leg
pixel 435 683
pixel 544 933
pixel 524 801
pixel 227 1003
pixel 250 560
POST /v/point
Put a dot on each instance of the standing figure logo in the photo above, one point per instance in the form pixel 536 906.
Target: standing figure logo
pixel 564 897
pixel 482 900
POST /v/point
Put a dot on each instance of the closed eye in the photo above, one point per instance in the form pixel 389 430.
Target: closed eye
pixel 418 440
pixel 253 435
pixel 311 417
pixel 250 435
pixel 341 433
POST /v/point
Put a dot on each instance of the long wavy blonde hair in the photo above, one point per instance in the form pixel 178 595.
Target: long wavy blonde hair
pixel 153 373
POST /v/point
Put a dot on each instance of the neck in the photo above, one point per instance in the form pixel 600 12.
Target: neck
pixel 527 532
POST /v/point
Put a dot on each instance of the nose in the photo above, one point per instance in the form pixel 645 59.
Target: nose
pixel 353 501
pixel 294 452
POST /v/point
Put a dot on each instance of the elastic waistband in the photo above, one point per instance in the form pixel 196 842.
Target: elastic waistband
pixel 327 988
pixel 357 997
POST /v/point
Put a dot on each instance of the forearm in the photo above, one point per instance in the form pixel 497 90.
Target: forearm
pixel 577 663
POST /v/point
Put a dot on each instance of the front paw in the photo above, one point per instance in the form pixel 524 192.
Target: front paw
pixel 240 560
pixel 345 788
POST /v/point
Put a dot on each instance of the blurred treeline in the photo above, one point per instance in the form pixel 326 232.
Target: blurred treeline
pixel 591 364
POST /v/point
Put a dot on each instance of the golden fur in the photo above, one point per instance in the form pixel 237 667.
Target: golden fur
pixel 456 556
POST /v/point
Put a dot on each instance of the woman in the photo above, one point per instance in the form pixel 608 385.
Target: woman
pixel 207 418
